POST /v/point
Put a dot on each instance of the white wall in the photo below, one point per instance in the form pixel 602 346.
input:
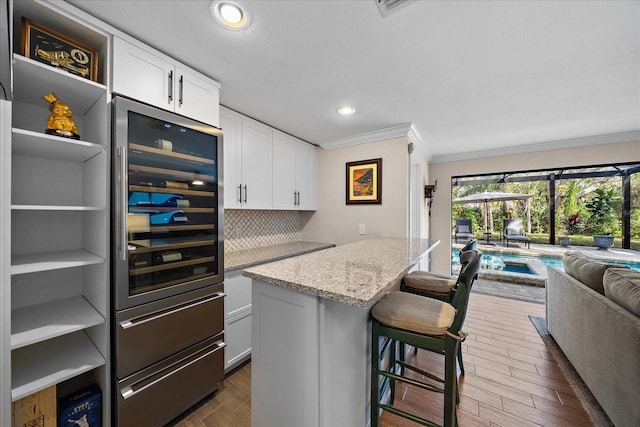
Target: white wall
pixel 441 210
pixel 336 222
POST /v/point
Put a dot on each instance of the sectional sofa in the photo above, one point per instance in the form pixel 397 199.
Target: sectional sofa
pixel 593 313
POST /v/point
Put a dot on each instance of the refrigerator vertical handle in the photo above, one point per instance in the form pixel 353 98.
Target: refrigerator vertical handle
pixel 124 242
pixel 170 87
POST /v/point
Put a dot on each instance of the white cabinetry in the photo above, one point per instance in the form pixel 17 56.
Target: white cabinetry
pixel 56 196
pixel 265 168
pixel 247 162
pixel 294 173
pixel 144 74
pixel 237 319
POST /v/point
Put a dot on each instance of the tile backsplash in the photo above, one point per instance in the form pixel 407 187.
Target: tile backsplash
pixel 245 229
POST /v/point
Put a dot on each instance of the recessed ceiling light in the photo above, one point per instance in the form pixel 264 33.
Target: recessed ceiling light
pixel 346 110
pixel 230 14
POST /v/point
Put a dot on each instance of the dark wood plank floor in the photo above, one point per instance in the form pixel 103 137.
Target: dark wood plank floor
pixel 511 378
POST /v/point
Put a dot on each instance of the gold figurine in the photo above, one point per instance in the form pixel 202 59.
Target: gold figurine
pixel 60 122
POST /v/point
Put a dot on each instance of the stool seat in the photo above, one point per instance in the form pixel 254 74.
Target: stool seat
pixel 429 282
pixel 414 313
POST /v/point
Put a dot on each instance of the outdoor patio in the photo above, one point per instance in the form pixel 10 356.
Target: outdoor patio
pixel 529 287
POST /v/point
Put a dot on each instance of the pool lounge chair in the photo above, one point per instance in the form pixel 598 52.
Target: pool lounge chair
pixel 514 230
pixel 464 230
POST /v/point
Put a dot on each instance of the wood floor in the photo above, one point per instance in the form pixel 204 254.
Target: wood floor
pixel 511 378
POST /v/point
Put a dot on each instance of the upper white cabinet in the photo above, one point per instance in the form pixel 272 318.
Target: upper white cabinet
pixel 147 75
pixel 265 168
pixel 247 162
pixel 294 173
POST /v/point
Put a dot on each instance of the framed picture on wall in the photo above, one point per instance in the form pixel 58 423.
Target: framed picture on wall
pixel 364 182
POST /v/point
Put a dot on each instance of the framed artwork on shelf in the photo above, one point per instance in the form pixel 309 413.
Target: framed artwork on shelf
pixel 364 182
pixel 49 47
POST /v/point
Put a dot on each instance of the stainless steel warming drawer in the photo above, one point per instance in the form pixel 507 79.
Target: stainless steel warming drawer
pixel 158 394
pixel 157 330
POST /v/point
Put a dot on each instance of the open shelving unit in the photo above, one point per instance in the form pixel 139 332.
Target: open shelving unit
pixel 60 214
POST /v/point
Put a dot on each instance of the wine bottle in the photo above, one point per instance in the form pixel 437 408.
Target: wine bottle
pixel 168 256
pixel 171 256
pixel 163 144
pixel 175 184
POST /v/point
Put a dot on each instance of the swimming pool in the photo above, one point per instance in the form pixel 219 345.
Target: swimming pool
pixel 545 260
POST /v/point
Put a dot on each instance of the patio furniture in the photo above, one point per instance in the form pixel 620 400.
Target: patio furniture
pixel 426 323
pixel 514 230
pixel 464 229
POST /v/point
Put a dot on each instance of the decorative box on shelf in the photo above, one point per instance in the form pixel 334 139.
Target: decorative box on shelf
pixel 82 408
pixel 35 410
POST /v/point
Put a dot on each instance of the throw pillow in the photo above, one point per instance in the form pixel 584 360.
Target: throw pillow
pixel 585 270
pixel 622 286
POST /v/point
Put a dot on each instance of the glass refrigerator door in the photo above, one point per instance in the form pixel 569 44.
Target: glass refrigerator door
pixel 172 208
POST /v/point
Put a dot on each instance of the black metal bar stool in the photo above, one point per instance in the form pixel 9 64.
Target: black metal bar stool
pixel 426 323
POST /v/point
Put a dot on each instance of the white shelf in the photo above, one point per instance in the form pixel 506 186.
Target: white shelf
pixel 45 261
pixel 32 80
pixel 55 208
pixel 36 144
pixel 50 362
pixel 40 322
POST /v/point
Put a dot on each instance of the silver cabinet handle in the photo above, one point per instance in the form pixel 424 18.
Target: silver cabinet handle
pixel 298 202
pixel 240 193
pixel 170 87
pixel 141 320
pixel 245 193
pixel 180 90
pixel 124 241
pixel 132 390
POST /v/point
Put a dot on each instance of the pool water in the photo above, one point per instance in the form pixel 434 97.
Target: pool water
pixel 495 259
pixel 517 268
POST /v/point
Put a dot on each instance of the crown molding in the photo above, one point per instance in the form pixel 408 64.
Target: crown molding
pixel 542 146
pixel 398 131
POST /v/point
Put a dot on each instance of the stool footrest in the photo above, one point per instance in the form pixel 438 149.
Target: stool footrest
pixel 416 383
pixel 409 416
pixel 420 371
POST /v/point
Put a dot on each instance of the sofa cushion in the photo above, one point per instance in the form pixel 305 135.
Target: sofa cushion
pixel 622 286
pixel 585 269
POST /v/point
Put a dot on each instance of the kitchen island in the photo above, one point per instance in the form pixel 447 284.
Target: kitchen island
pixel 311 330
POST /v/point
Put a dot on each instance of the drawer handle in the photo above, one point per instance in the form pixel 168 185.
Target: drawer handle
pixel 130 323
pixel 132 390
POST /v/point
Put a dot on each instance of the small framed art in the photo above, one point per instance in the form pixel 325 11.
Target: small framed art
pixel 364 182
pixel 45 45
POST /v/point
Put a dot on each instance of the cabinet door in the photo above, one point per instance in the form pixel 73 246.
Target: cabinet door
pixel 196 96
pixel 141 75
pixel 237 319
pixel 231 124
pixel 306 176
pixel 256 165
pixel 284 171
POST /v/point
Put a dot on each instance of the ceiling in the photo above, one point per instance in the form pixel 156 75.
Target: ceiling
pixel 470 76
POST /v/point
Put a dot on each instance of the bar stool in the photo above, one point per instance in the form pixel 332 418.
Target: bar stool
pixel 434 285
pixel 426 323
pixel 439 286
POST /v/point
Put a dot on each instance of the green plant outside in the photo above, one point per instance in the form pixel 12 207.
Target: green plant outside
pixel 602 218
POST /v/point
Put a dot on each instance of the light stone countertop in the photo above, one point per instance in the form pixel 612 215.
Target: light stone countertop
pixel 235 260
pixel 357 274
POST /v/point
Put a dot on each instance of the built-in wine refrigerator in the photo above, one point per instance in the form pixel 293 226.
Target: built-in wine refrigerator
pixel 168 267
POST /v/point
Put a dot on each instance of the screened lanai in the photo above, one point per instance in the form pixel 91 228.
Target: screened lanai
pixel 561 196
